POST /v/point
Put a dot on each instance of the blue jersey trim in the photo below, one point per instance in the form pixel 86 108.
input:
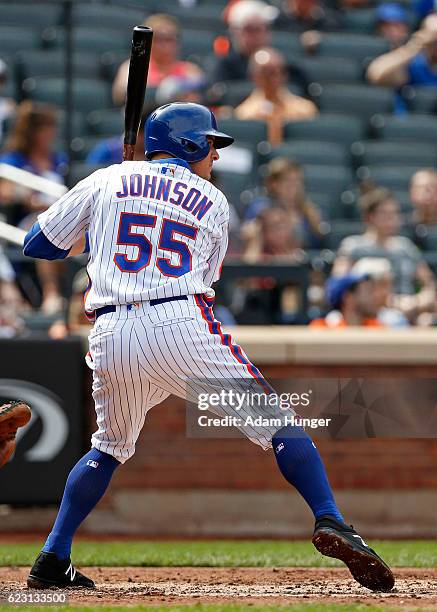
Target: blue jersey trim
pixel 36 244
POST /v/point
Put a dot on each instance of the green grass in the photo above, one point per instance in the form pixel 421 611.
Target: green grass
pixel 222 553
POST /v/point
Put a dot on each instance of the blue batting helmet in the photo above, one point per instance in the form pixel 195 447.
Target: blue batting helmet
pixel 182 129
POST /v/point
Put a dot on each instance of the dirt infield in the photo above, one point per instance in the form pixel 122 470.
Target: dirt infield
pixel 190 585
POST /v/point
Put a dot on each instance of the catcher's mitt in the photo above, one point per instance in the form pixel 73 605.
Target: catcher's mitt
pixel 12 416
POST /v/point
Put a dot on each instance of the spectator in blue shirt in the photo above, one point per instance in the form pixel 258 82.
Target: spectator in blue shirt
pixel 414 63
pixel 31 147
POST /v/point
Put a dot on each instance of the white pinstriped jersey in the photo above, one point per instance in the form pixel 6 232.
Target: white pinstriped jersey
pixel 156 230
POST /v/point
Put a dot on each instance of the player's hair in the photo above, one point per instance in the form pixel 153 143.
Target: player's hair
pixel 159 20
pixel 371 201
pixel 29 119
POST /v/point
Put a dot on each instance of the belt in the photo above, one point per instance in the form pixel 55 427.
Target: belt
pixel 106 309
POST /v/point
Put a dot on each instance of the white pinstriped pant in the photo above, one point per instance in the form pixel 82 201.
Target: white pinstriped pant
pixel 142 355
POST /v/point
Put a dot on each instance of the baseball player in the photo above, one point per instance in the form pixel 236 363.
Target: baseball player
pixel 156 233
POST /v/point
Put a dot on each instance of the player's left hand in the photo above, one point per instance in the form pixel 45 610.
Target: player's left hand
pixel 12 416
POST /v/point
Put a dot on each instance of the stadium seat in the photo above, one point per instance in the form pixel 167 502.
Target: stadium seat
pixel 355 46
pixel 393 177
pixel 340 230
pixel 330 70
pixel 108 16
pixel 88 94
pixel 428 239
pixel 331 208
pixel 110 121
pixel 91 40
pixel 416 128
pixel 80 171
pixel 359 20
pixel 13 39
pixel 35 15
pixel 361 100
pixel 206 17
pixel 244 131
pixel 81 146
pixel 403 197
pixel 421 99
pixel 78 123
pixel 229 93
pixel 373 153
pixel 196 44
pixel 342 129
pixel 233 184
pixel 51 63
pixel 308 152
pixel 110 62
pixel 329 179
pixel 288 44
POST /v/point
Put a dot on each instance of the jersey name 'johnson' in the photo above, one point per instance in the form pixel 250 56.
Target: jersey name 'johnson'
pixel 155 230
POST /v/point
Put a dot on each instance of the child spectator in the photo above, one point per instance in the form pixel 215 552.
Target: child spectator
pixel 285 189
pixel 392 23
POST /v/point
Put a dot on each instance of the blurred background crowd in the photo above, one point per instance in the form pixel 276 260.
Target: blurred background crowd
pixel 332 180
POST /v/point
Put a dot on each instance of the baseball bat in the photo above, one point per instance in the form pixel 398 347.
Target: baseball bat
pixel 136 87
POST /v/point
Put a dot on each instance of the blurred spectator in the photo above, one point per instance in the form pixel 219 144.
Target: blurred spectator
pixel 303 15
pixel 175 89
pixel 392 23
pixel 353 300
pixel 76 318
pixel 164 61
pixel 11 302
pixel 379 270
pixel 30 146
pixel 276 237
pixel 285 189
pixel 271 100
pixel 380 211
pixel 110 150
pixel 7 105
pixel 423 195
pixel 249 28
pixel 414 63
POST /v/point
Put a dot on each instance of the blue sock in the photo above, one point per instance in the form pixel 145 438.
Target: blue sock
pixel 85 486
pixel 301 465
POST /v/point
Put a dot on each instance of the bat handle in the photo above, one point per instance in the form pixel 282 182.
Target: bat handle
pixel 128 152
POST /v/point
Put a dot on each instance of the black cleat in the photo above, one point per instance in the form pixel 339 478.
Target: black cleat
pixel 333 538
pixel 50 572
